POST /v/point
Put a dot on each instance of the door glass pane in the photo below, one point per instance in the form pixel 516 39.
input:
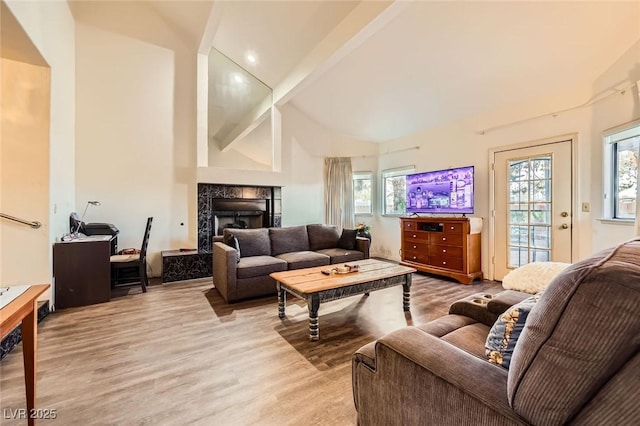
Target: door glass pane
pixel 541 168
pixel 540 190
pixel 518 255
pixel 541 215
pixel 540 255
pixel 540 236
pixel 529 210
pixel 519 192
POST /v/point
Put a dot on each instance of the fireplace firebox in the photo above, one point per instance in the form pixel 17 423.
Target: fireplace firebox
pixel 235 206
pixel 240 214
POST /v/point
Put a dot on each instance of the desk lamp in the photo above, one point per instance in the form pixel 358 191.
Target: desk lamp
pixel 93 203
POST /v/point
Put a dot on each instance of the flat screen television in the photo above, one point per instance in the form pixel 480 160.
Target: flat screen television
pixel 447 191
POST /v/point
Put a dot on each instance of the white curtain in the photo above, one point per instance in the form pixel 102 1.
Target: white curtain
pixel 338 192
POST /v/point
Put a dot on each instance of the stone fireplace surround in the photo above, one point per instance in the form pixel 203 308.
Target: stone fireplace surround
pixel 238 201
pixel 221 206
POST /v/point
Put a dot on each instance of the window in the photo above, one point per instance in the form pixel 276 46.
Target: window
pixel 362 192
pixel 621 172
pixel 394 190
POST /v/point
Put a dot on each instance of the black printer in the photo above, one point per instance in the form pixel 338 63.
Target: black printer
pixel 104 229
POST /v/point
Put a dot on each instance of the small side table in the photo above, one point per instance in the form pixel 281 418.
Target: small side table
pixel 180 265
pixel 24 310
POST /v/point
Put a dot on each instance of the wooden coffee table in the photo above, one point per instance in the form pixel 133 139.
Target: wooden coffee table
pixel 315 287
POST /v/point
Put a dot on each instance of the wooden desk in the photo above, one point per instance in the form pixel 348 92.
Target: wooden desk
pixel 82 271
pixel 24 309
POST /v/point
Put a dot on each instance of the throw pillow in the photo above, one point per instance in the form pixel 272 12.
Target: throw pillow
pixel 533 277
pixel 232 242
pixel 504 334
pixel 348 239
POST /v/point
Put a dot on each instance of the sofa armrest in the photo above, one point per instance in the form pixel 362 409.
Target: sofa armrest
pixel 224 270
pixel 474 307
pixel 505 299
pixel 417 378
pixel 363 245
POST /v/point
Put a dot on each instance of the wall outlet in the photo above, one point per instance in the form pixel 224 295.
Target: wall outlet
pixel 586 208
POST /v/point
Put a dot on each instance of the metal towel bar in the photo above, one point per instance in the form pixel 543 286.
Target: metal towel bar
pixel 33 224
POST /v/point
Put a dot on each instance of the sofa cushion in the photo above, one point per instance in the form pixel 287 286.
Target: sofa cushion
pixel 459 330
pixel 348 239
pixel 322 236
pixel 503 336
pixel 304 259
pixel 254 242
pixel 232 242
pixel 581 332
pixel 256 266
pixel 339 255
pixel 533 277
pixel 289 239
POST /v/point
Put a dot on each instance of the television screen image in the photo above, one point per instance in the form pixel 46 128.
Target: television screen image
pixel 442 191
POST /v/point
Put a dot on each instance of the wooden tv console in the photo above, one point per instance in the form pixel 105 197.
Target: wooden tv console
pixel 444 246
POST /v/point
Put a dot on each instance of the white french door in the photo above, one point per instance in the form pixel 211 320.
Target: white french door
pixel 533 206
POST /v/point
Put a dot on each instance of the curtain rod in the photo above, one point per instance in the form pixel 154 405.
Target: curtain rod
pixel 411 148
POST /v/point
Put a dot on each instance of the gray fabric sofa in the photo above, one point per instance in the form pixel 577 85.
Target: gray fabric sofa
pixel 267 250
pixel 575 362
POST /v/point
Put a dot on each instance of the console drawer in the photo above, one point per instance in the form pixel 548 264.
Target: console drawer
pixel 445 239
pixel 446 262
pixel 452 228
pixel 410 236
pixel 410 226
pixel 448 251
pixel 416 246
pixel 414 256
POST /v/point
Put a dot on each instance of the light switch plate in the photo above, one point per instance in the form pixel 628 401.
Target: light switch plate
pixel 586 208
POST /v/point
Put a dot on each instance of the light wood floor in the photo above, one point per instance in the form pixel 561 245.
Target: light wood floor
pixel 180 355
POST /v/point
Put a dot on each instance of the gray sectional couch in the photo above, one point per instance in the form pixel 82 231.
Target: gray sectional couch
pixel 267 250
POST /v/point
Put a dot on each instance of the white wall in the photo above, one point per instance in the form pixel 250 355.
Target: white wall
pixel 135 150
pixel 24 172
pixel 50 27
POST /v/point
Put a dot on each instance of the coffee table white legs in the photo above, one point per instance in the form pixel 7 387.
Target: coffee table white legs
pixel 314 328
pixel 282 300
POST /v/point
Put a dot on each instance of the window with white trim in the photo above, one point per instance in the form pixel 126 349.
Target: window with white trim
pixel 362 193
pixel 394 192
pixel 622 149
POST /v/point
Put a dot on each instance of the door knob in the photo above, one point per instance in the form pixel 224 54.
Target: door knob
pixel 564 226
pixel 564 214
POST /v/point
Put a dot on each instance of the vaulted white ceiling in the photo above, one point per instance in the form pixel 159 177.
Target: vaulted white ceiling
pixel 438 62
pixel 412 66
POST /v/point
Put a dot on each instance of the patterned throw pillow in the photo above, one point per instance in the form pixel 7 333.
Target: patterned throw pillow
pixel 504 334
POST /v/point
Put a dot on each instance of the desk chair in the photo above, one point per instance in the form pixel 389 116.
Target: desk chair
pixel 138 260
